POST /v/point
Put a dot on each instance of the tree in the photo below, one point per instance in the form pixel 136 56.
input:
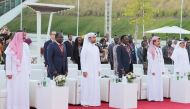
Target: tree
pixel 140 12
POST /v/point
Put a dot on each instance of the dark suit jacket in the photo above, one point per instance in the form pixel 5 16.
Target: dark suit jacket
pixel 123 58
pixel 133 54
pixel 57 60
pixel 140 55
pixel 167 60
pixel 69 48
pixel 110 52
pixel 76 56
pixel 45 51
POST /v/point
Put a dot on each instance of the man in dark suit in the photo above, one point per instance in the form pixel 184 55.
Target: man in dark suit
pixel 167 52
pixel 57 57
pixel 123 57
pixel 46 44
pixel 132 49
pixel 142 55
pixel 69 45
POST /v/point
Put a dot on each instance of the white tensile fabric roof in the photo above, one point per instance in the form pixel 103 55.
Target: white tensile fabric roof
pixel 48 7
pixel 169 30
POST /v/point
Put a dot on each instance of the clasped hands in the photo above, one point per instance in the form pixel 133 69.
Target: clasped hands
pixel 85 74
pixel 155 73
pixel 56 74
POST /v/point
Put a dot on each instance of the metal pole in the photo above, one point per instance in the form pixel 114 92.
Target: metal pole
pixel 108 18
pixel 143 18
pixel 110 21
pixel 78 15
pixel 21 15
pixel 106 21
pixel 181 21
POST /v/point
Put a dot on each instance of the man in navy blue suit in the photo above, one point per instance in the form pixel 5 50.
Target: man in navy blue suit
pixel 124 57
pixel 52 38
pixel 57 57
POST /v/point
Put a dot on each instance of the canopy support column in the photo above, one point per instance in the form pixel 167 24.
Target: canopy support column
pixel 39 23
pixel 49 25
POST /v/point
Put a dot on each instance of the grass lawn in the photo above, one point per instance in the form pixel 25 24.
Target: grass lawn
pixel 67 24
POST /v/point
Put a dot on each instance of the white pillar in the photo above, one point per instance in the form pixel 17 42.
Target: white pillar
pixel 106 14
pixel 110 21
pixel 38 34
pixel 21 15
pixel 181 21
pixel 78 15
pixel 49 25
pixel 143 18
pixel 108 18
pixel 38 24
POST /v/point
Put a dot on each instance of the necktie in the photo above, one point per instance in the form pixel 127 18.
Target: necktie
pixel 61 48
pixel 169 52
pixel 128 49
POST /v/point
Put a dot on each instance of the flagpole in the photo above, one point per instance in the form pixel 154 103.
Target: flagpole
pixel 78 14
pixel 181 21
pixel 21 15
pixel 143 18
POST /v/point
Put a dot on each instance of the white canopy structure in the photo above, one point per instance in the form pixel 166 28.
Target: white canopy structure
pixel 42 8
pixel 48 7
pixel 169 30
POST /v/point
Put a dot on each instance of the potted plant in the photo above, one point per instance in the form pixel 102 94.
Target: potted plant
pixel 130 77
pixel 177 75
pixel 60 80
pixel 188 76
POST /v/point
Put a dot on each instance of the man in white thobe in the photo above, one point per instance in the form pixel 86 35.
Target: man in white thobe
pixel 90 66
pixel 18 67
pixel 181 59
pixel 155 70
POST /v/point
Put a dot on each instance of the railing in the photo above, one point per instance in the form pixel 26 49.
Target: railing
pixel 11 13
pixel 6 5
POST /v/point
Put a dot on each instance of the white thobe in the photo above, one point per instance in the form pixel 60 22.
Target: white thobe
pixel 90 86
pixel 155 82
pixel 181 61
pixel 18 86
